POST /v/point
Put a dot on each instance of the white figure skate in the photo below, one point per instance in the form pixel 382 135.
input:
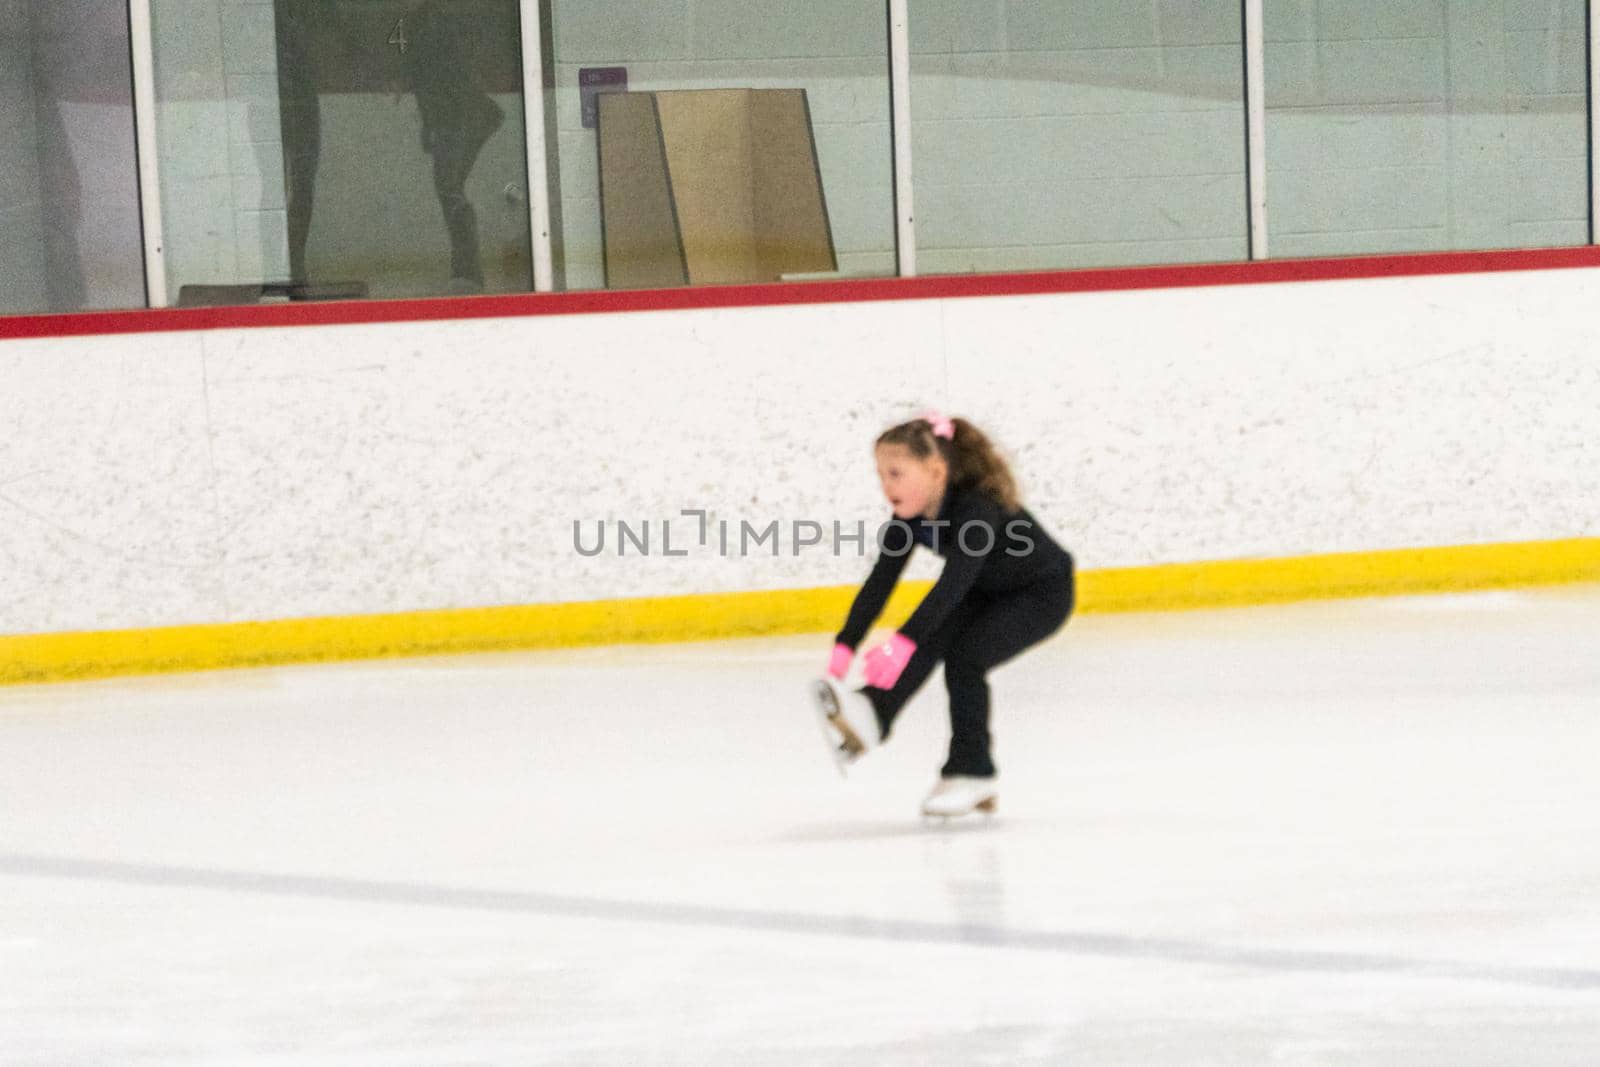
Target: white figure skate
pixel 849 723
pixel 954 797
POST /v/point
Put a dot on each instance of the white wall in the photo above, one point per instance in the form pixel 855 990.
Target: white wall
pixel 247 474
pixel 89 199
pixel 22 274
pixel 69 223
pixel 1425 125
pixel 1089 133
pixel 219 142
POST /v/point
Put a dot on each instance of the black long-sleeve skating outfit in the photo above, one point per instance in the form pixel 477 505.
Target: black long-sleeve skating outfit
pixel 1006 585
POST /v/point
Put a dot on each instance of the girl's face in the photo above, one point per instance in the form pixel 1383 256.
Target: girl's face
pixel 912 486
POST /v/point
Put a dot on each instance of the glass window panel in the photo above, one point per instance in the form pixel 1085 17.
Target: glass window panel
pixel 1076 133
pixel 69 189
pixel 1425 126
pixel 321 148
pixel 834 50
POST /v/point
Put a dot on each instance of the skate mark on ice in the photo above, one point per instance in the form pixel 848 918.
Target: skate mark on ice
pixel 981 935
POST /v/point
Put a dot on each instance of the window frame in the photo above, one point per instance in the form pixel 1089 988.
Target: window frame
pixel 544 299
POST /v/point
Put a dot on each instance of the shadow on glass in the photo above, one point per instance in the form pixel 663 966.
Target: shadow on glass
pixel 69 200
pixel 372 148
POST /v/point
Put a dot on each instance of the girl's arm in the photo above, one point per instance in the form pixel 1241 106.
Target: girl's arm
pixel 880 583
pixel 961 567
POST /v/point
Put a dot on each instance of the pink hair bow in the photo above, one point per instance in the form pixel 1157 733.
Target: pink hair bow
pixel 942 426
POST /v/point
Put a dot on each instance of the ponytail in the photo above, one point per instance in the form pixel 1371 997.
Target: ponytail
pixel 974 461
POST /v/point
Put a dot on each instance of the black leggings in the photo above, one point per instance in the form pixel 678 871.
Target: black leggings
pixel 984 631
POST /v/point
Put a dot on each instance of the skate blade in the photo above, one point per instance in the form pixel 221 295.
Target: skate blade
pixel 843 745
pixel 989 806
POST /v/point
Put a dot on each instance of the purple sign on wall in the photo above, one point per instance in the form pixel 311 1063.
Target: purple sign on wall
pixel 592 81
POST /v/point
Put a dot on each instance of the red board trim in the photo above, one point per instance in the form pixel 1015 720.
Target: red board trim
pixel 356 312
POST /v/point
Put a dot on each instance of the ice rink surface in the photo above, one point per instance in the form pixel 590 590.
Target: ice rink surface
pixel 1364 832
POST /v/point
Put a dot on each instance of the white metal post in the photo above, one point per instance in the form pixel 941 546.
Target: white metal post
pixel 538 164
pixel 900 122
pixel 142 50
pixel 1255 102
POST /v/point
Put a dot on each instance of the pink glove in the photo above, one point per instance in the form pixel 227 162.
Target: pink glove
pixel 839 662
pixel 884 663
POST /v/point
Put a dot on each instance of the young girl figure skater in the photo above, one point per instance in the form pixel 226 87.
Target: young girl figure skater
pixel 1006 585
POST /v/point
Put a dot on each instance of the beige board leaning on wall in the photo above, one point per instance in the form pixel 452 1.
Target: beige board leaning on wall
pixel 706 187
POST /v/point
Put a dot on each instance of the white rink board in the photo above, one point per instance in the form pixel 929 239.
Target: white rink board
pixel 272 473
